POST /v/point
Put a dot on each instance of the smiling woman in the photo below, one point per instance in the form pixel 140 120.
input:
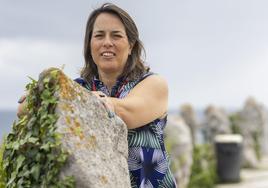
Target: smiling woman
pixel 115 72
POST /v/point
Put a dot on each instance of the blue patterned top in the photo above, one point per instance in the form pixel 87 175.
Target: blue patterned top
pixel 147 159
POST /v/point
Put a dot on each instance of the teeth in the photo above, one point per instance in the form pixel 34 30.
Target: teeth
pixel 107 54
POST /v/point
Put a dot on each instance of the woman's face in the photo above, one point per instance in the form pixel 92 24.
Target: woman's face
pixel 109 44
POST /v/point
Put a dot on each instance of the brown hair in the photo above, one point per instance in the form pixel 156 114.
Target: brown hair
pixel 135 65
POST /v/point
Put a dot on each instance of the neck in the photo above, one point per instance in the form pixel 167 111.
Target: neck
pixel 108 79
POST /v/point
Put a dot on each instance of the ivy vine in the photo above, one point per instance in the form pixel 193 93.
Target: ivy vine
pixel 33 156
pixel 2 172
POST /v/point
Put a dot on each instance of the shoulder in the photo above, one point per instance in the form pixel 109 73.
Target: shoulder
pixel 155 80
pixel 153 84
pixel 151 78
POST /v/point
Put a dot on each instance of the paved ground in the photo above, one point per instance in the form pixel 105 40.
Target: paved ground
pixel 254 178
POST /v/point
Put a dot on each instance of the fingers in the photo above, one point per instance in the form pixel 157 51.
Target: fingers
pixel 106 102
pixel 98 94
pixel 21 110
pixel 22 99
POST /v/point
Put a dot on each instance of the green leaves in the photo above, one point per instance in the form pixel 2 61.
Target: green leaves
pixel 19 162
pixel 2 172
pixel 33 156
pixel 35 171
pixel 204 167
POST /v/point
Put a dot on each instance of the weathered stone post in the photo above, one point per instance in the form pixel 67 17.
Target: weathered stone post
pixel 97 143
pixel 252 122
pixel 189 116
pixel 216 122
pixel 179 145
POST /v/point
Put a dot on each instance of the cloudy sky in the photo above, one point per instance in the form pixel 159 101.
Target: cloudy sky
pixel 210 51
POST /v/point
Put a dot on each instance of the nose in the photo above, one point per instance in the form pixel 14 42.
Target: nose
pixel 107 42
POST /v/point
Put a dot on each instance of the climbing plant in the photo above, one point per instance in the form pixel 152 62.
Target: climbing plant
pixel 33 156
pixel 2 172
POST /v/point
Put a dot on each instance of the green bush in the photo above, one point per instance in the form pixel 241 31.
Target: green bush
pixel 234 118
pixel 204 167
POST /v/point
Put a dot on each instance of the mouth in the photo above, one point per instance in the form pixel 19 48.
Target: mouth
pixel 107 54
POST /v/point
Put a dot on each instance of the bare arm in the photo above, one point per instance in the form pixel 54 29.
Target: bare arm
pixel 145 103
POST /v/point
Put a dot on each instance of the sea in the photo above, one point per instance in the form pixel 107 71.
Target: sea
pixel 7 117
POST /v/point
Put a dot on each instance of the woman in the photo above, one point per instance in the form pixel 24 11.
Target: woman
pixel 115 73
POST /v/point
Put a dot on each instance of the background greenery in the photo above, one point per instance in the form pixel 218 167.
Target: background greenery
pixel 204 167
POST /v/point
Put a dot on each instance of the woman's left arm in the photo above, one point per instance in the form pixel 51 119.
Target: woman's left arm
pixel 146 102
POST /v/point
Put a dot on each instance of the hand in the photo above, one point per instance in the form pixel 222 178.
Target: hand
pixel 106 102
pixel 22 106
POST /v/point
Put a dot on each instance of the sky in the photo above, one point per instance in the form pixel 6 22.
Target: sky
pixel 209 51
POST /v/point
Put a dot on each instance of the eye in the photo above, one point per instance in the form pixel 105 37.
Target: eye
pixel 98 35
pixel 118 36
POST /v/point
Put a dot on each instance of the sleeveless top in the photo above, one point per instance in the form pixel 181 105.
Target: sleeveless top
pixel 147 157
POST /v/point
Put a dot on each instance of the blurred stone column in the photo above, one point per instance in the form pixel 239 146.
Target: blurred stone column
pixel 189 117
pixel 252 122
pixel 180 148
pixel 265 127
pixel 216 122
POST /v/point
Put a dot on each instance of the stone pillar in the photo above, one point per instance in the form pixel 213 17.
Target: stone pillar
pixel 97 143
pixel 216 122
pixel 180 148
pixel 252 121
pixel 189 116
